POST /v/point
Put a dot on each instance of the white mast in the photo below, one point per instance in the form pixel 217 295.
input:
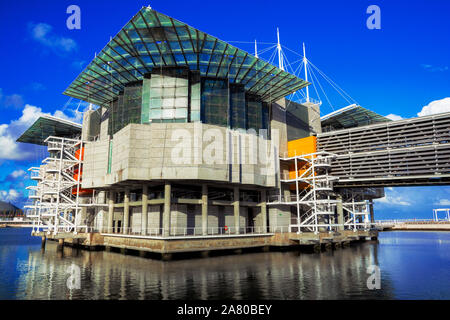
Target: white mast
pixel 256 49
pixel 305 62
pixel 280 58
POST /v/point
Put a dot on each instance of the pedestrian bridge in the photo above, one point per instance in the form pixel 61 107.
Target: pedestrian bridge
pixel 410 152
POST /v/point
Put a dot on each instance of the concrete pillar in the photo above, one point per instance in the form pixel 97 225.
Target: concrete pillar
pixel 43 242
pixel 144 222
pixel 60 245
pixel 204 209
pixel 340 212
pixel 236 205
pixel 264 210
pixel 126 211
pixel 372 216
pixel 110 212
pixel 166 213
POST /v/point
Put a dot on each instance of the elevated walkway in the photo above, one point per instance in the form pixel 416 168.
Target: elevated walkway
pixel 398 153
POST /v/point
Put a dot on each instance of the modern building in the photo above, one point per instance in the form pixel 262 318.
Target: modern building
pixel 194 146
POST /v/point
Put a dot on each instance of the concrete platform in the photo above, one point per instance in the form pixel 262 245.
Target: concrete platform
pixel 174 245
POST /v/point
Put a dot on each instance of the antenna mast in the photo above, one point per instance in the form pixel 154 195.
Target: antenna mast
pixel 280 58
pixel 305 62
pixel 256 49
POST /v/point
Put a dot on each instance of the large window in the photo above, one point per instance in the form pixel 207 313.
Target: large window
pixel 237 102
pixel 214 101
pixel 176 94
pixel 254 113
pixel 126 109
pixel 169 94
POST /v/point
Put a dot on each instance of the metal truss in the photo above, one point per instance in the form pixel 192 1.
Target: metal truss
pixel 313 191
pixel 356 210
pixel 55 202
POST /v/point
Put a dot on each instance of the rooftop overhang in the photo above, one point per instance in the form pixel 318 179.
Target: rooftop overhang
pixel 46 126
pixel 351 116
pixel 152 40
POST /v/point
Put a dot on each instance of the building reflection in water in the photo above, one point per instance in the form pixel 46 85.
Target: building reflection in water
pixel 337 274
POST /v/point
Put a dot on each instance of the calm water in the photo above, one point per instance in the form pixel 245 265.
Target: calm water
pixel 414 265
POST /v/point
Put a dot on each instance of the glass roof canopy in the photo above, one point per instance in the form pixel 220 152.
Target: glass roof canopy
pixel 350 117
pixel 151 40
pixel 46 126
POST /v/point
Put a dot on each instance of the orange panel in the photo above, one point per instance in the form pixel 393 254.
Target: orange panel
pixel 302 146
pixel 81 192
pixel 77 154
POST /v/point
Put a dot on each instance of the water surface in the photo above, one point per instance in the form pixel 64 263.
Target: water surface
pixel 413 265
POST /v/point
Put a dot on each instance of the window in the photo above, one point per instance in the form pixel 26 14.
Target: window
pixel 169 94
pixel 214 101
pixel 237 101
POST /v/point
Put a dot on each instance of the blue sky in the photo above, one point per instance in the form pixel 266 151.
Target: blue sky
pixel 397 70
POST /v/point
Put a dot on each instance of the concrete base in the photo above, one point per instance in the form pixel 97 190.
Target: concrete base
pixel 205 245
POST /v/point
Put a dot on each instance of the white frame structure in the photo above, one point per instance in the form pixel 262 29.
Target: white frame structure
pixel 355 208
pixel 447 214
pixel 315 208
pixel 55 207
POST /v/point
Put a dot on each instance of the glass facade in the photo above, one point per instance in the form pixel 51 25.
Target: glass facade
pixel 215 101
pixel 237 106
pixel 126 108
pixel 180 95
pixel 254 113
pixel 169 94
pixel 151 41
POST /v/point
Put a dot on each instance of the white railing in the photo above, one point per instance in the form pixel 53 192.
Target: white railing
pixel 184 232
pixel 404 221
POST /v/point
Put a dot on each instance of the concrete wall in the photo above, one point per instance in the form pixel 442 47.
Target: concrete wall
pixel 213 219
pixel 279 216
pixel 178 219
pixel 136 219
pixel 154 218
pixel 95 164
pixel 148 152
pixel 104 123
pixel 91 125
pixel 303 120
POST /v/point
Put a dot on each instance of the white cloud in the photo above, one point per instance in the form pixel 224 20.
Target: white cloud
pixel 431 68
pixel 43 34
pixel 393 200
pixel 434 107
pixel 394 117
pixel 443 202
pixel 9 196
pixel 17 173
pixel 9 148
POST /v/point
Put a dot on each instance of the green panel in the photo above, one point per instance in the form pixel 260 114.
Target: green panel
pixel 110 156
pixel 145 112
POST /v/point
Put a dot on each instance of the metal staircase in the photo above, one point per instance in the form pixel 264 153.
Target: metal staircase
pixel 313 190
pixel 54 202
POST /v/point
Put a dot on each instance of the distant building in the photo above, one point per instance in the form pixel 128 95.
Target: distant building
pixel 8 210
